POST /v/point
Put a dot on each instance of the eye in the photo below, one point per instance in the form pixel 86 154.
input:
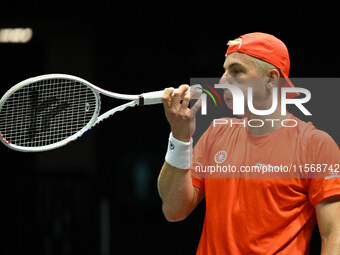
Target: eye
pixel 236 71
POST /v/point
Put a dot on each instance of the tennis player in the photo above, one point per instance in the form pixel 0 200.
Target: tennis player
pixel 252 215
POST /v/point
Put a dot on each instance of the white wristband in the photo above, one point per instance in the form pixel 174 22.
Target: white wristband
pixel 179 153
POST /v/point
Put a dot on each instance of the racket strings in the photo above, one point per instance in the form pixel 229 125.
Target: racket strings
pixel 46 112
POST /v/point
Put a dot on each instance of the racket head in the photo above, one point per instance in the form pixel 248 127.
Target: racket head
pixel 46 112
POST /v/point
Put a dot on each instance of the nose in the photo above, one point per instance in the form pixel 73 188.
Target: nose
pixel 226 78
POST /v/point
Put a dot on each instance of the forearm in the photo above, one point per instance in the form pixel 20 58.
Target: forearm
pixel 331 244
pixel 177 192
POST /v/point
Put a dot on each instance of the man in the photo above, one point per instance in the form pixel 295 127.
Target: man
pixel 251 215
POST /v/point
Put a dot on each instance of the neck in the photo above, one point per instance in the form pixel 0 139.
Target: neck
pixel 270 122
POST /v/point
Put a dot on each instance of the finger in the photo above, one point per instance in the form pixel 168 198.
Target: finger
pixel 196 107
pixel 179 94
pixel 195 91
pixel 167 96
pixel 185 104
pixel 192 91
pixel 182 89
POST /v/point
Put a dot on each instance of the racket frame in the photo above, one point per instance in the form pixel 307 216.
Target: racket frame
pixel 95 119
pixel 148 98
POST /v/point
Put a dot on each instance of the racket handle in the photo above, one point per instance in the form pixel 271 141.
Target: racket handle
pixel 151 98
pixel 156 96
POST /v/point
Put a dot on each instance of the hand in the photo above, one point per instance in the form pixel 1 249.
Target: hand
pixel 181 118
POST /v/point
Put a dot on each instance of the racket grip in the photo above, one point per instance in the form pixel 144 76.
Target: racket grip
pixel 156 96
pixel 151 97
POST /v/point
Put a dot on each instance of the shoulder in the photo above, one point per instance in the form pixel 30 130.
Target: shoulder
pixel 318 143
pixel 305 129
pixel 308 132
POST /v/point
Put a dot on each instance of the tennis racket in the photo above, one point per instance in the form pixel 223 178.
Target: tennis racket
pixel 49 111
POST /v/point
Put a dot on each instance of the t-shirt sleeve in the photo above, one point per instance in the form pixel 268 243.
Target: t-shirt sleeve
pixel 326 155
pixel 199 183
pixel 200 153
pixel 197 159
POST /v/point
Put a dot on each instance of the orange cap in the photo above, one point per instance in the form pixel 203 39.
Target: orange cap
pixel 269 49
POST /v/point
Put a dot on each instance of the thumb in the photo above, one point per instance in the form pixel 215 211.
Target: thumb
pixel 196 107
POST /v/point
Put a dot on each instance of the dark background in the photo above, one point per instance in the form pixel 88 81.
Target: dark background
pixel 99 194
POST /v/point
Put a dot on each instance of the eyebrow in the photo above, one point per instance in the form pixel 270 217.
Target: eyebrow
pixel 235 64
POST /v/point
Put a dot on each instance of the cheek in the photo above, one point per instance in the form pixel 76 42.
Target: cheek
pixel 259 91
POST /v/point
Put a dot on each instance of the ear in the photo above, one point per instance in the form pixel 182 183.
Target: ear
pixel 273 78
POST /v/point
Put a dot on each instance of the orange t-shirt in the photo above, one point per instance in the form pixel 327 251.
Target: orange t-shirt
pixel 263 215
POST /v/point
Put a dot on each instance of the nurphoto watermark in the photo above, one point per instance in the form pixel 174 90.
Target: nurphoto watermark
pixel 231 108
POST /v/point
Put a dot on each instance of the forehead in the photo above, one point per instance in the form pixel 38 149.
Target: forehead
pixel 238 58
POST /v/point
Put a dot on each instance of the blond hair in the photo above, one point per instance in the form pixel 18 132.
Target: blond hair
pixel 234 42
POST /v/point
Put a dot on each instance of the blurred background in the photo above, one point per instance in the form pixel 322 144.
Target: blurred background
pixel 99 195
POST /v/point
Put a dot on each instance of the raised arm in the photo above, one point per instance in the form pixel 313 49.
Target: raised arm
pixel 176 190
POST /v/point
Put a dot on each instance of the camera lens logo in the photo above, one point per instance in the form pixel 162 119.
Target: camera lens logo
pixel 204 97
pixel 210 94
